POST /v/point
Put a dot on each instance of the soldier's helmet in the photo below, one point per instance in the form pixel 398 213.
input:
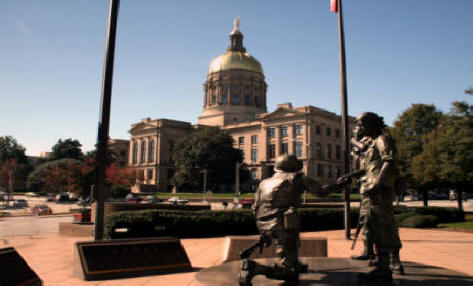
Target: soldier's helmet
pixel 288 163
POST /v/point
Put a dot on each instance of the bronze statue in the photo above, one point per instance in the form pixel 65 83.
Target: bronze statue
pixel 276 202
pixel 375 156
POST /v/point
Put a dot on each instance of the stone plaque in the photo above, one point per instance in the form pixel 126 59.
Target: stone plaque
pixel 129 258
pixel 15 271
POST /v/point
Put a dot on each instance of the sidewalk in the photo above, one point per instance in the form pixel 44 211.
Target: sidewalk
pixel 50 255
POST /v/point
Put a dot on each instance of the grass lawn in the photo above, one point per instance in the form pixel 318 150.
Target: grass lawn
pixel 465 225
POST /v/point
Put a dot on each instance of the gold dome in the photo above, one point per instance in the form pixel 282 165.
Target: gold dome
pixel 235 60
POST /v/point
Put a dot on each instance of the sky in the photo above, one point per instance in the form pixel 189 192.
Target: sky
pixel 51 59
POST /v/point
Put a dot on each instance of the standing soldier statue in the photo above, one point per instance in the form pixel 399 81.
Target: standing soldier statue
pixel 375 153
pixel 277 199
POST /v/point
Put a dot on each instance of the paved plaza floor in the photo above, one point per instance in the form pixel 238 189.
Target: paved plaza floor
pixel 51 255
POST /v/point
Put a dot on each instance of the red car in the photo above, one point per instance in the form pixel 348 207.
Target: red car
pixel 247 203
pixel 41 210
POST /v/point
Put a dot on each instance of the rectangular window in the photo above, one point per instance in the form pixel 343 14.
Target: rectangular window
pixel 214 98
pixel 271 132
pixel 151 151
pixel 246 99
pixel 338 152
pixel 241 140
pixel 337 133
pixel 143 152
pixel 298 149
pixel 254 155
pixel 320 170
pixel 318 150
pixel 254 174
pixel 329 171
pixel 256 100
pixel 150 174
pixel 271 151
pixel 317 129
pixel 328 132
pixel 329 151
pixel 298 129
pixel 283 131
pixel 224 98
pixel 254 139
pixel 236 99
pixel 284 148
pixel 338 172
pixel 135 153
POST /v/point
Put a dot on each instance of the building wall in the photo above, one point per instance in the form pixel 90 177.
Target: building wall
pixel 155 166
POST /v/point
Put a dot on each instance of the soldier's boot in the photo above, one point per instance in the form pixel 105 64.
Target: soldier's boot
pixel 396 264
pixel 381 272
pixel 302 268
pixel 246 272
pixel 289 274
pixel 368 252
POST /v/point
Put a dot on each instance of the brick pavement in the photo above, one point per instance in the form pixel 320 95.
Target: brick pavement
pixel 50 255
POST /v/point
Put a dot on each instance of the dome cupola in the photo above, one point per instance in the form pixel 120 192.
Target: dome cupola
pixel 235 90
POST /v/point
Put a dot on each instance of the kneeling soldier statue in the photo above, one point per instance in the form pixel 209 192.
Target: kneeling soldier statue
pixel 276 202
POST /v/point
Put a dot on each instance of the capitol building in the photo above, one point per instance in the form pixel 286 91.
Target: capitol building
pixel 235 96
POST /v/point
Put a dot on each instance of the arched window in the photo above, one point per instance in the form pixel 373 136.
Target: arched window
pixel 151 151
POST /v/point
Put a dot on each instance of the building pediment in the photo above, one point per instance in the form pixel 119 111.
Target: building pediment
pixel 280 112
pixel 139 127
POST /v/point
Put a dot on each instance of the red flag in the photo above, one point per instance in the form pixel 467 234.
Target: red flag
pixel 334 6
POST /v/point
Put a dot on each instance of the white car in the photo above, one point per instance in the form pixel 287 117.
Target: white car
pixel 176 200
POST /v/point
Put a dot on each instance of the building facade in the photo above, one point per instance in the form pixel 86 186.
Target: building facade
pixel 235 100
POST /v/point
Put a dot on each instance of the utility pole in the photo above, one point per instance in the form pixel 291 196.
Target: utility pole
pixel 104 120
pixel 344 108
pixel 204 187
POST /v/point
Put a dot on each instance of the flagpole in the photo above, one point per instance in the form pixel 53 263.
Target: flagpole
pixel 344 111
pixel 104 120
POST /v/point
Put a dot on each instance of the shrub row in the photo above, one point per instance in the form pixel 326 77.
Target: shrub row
pixel 205 223
pixel 149 223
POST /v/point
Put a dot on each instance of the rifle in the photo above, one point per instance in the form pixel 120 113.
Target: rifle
pixel 345 178
pixel 359 226
pixel 263 241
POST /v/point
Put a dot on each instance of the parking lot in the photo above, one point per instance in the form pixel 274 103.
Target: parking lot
pixel 66 207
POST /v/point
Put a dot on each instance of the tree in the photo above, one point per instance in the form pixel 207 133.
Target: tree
pixel 19 172
pixel 13 162
pixel 410 133
pixel 10 149
pixel 207 149
pixel 455 146
pixel 37 180
pixel 67 148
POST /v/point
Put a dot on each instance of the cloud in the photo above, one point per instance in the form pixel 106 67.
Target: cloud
pixel 22 27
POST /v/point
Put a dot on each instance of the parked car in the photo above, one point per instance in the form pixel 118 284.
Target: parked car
pixel 31 194
pixel 85 202
pixel 453 195
pixel 20 203
pixel 412 197
pixel 132 198
pixel 247 203
pixel 151 200
pixel 177 200
pixel 41 210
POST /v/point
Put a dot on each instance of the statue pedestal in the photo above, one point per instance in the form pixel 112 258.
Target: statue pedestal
pixel 336 271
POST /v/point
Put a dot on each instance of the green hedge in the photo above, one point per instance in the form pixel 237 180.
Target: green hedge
pixel 205 223
pixel 420 221
pixel 150 223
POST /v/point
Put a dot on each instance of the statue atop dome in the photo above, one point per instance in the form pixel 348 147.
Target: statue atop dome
pixel 236 24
